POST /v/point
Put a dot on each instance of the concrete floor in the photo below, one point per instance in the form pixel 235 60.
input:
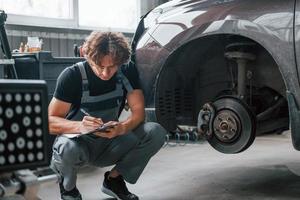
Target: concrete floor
pixel 269 169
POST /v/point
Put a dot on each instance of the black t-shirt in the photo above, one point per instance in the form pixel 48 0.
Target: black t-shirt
pixel 69 83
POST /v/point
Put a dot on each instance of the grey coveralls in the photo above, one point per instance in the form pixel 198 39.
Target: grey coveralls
pixel 129 153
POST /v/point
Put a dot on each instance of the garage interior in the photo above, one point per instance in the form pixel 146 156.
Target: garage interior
pixel 187 167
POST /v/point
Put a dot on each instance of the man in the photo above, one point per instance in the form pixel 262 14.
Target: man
pixel 90 94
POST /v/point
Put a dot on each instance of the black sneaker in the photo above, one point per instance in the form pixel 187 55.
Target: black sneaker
pixel 73 194
pixel 116 187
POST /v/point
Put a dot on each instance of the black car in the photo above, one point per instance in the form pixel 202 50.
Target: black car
pixel 228 69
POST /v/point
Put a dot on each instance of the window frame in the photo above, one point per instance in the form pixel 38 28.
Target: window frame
pixel 15 19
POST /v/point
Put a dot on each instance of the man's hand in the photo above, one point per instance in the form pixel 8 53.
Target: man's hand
pixel 89 123
pixel 117 129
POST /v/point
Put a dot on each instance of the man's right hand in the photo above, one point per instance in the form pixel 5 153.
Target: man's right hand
pixel 89 123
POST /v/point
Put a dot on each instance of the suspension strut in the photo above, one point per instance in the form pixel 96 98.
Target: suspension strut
pixel 240 53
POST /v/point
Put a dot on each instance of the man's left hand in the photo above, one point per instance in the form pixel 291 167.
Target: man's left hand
pixel 117 129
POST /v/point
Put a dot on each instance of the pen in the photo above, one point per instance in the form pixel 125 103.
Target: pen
pixel 84 112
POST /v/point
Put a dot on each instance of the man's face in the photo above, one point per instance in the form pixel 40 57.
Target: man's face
pixel 105 69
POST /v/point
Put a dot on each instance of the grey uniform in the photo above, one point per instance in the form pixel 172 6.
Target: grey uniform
pixel 129 153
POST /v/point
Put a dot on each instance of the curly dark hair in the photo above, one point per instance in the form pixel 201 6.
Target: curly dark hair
pixel 99 44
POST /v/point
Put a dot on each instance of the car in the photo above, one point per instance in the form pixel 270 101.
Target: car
pixel 227 69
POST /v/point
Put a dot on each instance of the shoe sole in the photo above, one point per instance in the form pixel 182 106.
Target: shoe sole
pixel 109 193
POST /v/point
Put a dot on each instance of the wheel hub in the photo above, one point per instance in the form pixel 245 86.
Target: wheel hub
pixel 226 126
pixel 230 127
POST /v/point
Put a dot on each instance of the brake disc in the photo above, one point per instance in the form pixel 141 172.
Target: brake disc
pixel 233 126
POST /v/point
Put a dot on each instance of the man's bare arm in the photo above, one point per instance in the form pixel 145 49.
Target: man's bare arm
pixel 57 112
pixel 136 104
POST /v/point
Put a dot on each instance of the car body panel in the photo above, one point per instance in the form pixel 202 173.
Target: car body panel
pixel 297 34
pixel 171 26
pixel 248 18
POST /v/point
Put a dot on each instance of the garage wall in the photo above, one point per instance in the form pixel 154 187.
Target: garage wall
pixel 57 40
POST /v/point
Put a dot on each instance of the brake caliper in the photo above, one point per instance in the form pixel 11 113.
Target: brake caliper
pixel 205 120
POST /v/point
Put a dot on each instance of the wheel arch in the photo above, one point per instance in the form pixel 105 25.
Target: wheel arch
pixel 263 44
